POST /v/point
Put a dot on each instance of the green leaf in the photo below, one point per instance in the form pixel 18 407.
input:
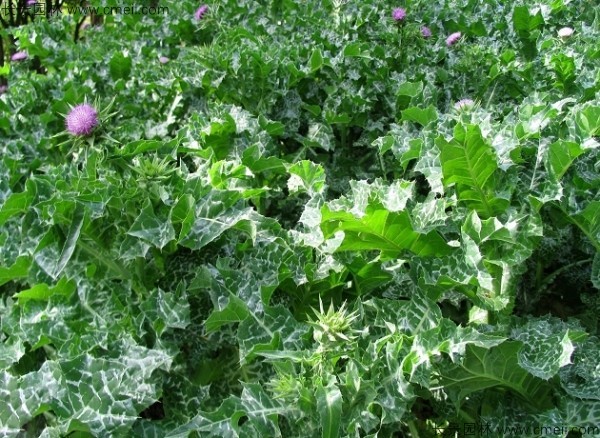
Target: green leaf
pixel 11 351
pixel 596 270
pixel 15 204
pixel 589 222
pixel 411 89
pixel 483 368
pixel 258 163
pixel 120 66
pixel 316 60
pixel 214 214
pixel 523 21
pixel 90 388
pixel 151 228
pixel 275 330
pixel 409 316
pixel 469 162
pixel 17 271
pixel 329 407
pixel 43 292
pixel 546 348
pixel 165 310
pixel 235 311
pixel 430 166
pixel 588 121
pixel 381 230
pixel 580 379
pixel 71 241
pixel 24 397
pixel 421 116
pixel 561 155
pixel 260 410
pixel 138 147
pixel 306 177
pixel 357 49
pixel 274 128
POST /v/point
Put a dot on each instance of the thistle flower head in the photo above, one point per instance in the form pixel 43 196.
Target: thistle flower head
pixel 19 56
pixel 565 32
pixel 453 38
pixel 398 14
pixel 200 12
pixel 31 2
pixel 163 60
pixel 82 120
pixel 425 31
pixel 464 103
pixel 3 89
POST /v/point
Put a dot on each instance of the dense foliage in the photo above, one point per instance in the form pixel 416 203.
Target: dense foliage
pixel 301 219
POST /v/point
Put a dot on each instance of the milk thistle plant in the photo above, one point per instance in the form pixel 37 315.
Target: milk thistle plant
pixel 439 189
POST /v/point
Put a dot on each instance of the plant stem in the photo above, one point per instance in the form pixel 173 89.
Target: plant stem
pixel 550 278
pixel 107 262
pixel 382 165
pixel 414 432
pixel 344 135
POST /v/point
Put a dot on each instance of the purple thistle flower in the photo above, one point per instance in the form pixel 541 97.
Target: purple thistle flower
pixel 453 38
pixel 19 56
pixel 463 103
pixel 200 12
pixel 3 89
pixel 82 120
pixel 425 31
pixel 31 2
pixel 163 59
pixel 399 14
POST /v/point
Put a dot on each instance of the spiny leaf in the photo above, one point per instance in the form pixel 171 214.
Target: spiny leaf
pixel 469 162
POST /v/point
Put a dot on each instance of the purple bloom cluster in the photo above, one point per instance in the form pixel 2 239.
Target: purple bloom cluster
pixel 453 38
pixel 399 14
pixel 19 56
pixel 163 60
pixel 82 120
pixel 200 12
pixel 425 31
pixel 3 89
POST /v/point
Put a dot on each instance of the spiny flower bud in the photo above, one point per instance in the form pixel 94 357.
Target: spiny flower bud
pixel 425 31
